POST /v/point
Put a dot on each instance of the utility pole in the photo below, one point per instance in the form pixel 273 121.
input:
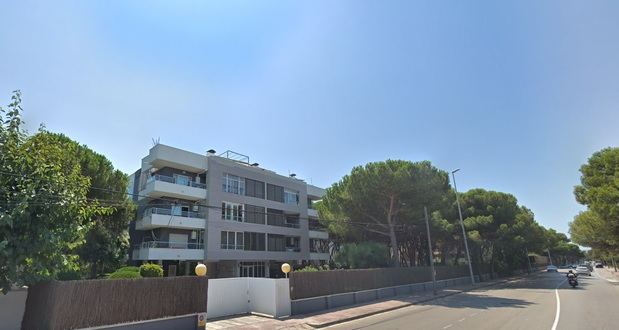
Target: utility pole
pixel 466 244
pixel 549 258
pixel 425 211
pixel 528 260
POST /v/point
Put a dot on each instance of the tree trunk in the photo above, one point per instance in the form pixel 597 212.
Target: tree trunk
pixel 395 252
pixel 93 270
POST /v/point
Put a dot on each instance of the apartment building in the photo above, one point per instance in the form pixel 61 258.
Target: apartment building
pixel 236 217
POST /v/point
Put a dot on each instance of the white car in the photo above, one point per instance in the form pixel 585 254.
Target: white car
pixel 583 270
pixel 552 268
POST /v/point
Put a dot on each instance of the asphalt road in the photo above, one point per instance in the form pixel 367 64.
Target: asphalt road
pixel 528 303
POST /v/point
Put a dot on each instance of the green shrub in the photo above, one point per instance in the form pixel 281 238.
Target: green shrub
pixel 151 270
pixel 129 269
pixel 312 268
pixel 363 255
pixel 125 274
pixel 69 275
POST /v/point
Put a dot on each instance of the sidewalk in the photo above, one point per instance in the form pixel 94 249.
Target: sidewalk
pixel 343 314
pixel 608 273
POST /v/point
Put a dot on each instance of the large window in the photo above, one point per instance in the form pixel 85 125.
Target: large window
pixel 291 197
pixel 276 218
pixel 275 193
pixel 254 188
pixel 232 240
pixel 232 211
pixel 233 184
pixel 254 241
pixel 254 214
pixel 251 269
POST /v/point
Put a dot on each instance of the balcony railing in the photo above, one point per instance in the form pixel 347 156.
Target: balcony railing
pixel 166 211
pixel 233 246
pixel 170 245
pixel 164 178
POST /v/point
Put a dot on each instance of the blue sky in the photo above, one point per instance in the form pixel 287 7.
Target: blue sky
pixel 517 94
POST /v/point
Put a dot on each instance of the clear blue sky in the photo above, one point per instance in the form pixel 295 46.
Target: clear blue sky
pixel 517 94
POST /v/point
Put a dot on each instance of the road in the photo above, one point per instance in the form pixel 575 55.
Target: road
pixel 527 303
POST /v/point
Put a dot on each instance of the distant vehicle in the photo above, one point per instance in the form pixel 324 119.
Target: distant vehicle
pixel 572 266
pixel 599 265
pixel 571 278
pixel 552 268
pixel 583 269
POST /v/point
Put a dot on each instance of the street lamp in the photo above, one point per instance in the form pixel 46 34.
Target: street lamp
pixel 466 244
pixel 201 269
pixel 286 269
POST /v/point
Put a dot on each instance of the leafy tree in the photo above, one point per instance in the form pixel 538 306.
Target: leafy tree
pixel 379 197
pixel 44 214
pixel 107 240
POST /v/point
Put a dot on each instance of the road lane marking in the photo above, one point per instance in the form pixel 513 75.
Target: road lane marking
pixel 556 322
pixel 473 314
pixel 460 320
pixel 448 326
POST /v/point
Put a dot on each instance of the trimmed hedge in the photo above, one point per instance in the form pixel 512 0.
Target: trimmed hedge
pixel 123 275
pixel 129 269
pixel 151 270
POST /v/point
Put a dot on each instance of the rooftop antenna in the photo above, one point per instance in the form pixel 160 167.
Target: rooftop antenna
pixel 155 141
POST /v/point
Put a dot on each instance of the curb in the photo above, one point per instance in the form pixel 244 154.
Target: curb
pixel 356 317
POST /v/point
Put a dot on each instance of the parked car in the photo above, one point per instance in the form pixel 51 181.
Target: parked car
pixel 552 268
pixel 583 269
pixel 599 265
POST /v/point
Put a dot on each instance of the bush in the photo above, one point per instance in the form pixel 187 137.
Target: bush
pixel 363 255
pixel 129 269
pixel 125 274
pixel 312 268
pixel 151 270
pixel 69 275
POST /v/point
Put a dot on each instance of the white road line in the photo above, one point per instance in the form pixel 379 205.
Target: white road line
pixel 473 314
pixel 448 326
pixel 556 322
pixel 460 320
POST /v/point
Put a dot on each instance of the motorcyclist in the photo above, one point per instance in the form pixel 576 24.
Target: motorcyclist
pixel 570 273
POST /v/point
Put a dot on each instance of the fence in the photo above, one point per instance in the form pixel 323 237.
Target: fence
pixel 313 284
pixel 242 295
pixel 81 304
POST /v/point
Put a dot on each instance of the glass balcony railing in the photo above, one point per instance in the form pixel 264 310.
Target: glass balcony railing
pixel 182 182
pixel 232 246
pixel 169 211
pixel 169 245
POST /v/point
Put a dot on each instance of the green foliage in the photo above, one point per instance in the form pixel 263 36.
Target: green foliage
pixel 44 213
pixel 69 275
pixel 129 269
pixel 363 255
pixel 107 240
pixel 383 196
pixel 598 227
pixel 124 274
pixel 312 268
pixel 151 270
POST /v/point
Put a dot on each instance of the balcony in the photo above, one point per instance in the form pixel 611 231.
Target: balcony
pixel 158 250
pixel 166 217
pixel 165 156
pixel 160 185
pixel 312 213
pixel 318 256
pixel 320 234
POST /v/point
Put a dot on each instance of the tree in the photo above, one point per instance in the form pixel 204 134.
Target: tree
pixel 363 255
pixel 44 213
pixel 107 240
pixel 379 197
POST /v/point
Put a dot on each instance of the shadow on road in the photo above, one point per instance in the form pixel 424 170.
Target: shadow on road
pixel 478 301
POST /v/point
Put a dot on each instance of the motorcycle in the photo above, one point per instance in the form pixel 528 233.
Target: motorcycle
pixel 572 281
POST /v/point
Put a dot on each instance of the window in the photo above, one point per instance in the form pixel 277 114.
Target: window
pixel 277 243
pixel 233 184
pixel 291 197
pixel 254 241
pixel 275 193
pixel 181 179
pixel 254 214
pixel 254 188
pixel 232 211
pixel 231 240
pixel 319 245
pixel 276 218
pixel 251 269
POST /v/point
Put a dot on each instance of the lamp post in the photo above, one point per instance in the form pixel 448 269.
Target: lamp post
pixel 286 269
pixel 466 244
pixel 201 269
pixel 431 255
